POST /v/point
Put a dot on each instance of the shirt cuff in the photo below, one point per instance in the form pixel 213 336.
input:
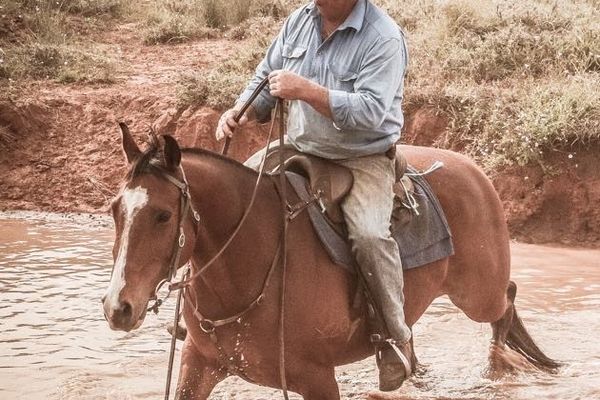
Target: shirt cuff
pixel 339 103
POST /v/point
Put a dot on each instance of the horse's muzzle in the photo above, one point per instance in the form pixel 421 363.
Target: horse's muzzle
pixel 120 316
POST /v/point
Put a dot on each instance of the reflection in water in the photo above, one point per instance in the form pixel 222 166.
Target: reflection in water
pixel 52 275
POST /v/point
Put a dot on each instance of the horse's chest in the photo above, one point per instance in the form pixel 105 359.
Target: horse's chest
pixel 239 352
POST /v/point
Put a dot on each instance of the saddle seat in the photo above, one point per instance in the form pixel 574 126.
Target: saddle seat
pixel 329 182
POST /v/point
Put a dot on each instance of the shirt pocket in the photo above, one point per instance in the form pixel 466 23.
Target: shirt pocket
pixel 293 56
pixel 343 78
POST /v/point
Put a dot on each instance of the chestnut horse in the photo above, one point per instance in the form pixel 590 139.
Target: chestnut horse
pixel 323 329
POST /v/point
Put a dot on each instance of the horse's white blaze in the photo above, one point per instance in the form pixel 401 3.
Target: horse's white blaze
pixel 132 200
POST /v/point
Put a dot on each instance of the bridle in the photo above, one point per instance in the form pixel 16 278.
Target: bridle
pixel 185 206
pixel 208 326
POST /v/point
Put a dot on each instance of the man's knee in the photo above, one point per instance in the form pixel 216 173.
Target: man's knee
pixel 369 237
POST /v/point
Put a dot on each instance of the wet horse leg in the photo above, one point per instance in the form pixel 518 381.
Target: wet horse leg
pixel 501 327
pixel 317 383
pixel 197 376
pixel 500 360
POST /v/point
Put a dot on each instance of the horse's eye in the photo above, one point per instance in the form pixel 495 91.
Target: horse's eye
pixel 163 216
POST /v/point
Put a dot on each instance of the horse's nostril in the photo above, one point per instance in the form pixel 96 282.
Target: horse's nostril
pixel 126 310
pixel 103 299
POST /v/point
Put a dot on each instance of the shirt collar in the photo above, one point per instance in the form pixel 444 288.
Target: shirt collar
pixel 354 20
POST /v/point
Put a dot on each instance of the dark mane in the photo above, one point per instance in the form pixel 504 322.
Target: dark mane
pixel 151 161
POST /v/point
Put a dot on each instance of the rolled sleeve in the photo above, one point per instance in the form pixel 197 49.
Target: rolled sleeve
pixel 379 81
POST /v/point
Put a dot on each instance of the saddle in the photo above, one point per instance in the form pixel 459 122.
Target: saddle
pixel 328 184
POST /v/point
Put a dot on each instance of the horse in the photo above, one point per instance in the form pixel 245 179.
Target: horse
pixel 322 327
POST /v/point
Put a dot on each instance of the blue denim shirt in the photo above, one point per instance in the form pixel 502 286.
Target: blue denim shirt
pixel 362 63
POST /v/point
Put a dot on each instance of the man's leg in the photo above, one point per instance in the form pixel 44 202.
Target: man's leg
pixel 367 210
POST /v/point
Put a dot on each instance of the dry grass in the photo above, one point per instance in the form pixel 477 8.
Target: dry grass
pixel 176 21
pixel 221 87
pixel 7 138
pixel 43 41
pixel 515 79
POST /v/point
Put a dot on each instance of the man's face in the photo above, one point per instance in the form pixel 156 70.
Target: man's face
pixel 334 8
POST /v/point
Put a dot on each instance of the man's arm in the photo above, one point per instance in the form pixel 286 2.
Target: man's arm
pixel 375 88
pixel 291 86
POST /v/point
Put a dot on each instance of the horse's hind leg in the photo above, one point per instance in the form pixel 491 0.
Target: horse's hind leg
pixel 509 330
pixel 501 327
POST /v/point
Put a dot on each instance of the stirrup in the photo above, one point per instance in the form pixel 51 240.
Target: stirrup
pixel 379 341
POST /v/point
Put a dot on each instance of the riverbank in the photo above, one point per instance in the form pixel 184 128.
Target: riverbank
pixel 527 116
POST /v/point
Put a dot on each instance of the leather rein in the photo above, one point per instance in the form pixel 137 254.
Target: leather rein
pixel 209 326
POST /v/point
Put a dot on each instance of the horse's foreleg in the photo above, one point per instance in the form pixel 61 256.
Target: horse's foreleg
pixel 197 376
pixel 317 383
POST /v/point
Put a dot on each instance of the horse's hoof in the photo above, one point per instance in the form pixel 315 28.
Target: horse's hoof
pixel 181 331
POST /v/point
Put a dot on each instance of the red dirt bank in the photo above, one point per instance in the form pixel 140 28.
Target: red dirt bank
pixel 67 156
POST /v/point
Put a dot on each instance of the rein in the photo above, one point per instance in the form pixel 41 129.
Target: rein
pixel 206 325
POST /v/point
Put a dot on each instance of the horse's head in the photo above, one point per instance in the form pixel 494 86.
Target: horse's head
pixel 146 213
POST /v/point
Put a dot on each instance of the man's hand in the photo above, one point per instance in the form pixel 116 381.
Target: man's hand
pixel 227 124
pixel 288 85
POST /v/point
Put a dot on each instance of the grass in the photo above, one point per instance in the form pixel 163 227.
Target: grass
pixel 7 138
pixel 220 88
pixel 45 40
pixel 177 21
pixel 515 79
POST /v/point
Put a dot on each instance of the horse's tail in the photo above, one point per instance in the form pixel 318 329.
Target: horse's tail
pixel 520 341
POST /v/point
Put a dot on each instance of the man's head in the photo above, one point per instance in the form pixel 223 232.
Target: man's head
pixel 335 10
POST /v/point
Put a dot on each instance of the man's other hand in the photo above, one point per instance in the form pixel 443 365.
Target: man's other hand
pixel 227 124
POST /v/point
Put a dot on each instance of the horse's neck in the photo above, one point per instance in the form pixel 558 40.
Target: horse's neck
pixel 221 195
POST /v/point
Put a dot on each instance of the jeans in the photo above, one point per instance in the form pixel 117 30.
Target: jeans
pixel 368 210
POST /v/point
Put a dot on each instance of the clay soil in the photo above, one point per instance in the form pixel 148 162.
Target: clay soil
pixel 66 154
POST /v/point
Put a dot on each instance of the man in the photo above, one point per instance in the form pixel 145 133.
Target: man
pixel 341 66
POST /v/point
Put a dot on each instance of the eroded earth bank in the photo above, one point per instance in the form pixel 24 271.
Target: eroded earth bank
pixel 64 151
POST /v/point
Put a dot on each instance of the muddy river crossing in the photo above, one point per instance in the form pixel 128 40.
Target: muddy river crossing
pixel 55 344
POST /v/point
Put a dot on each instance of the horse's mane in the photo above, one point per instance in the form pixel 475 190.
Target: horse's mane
pixel 151 161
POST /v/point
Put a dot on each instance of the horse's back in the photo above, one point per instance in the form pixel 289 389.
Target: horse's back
pixel 479 270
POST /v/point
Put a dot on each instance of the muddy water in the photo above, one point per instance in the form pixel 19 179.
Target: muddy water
pixel 55 344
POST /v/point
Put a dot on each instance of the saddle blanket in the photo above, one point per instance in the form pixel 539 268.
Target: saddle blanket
pixel 422 238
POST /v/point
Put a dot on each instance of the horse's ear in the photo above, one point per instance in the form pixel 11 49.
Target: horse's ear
pixel 130 148
pixel 171 152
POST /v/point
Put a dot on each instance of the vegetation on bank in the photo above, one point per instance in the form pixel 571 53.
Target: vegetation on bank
pixel 45 39
pixel 515 79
